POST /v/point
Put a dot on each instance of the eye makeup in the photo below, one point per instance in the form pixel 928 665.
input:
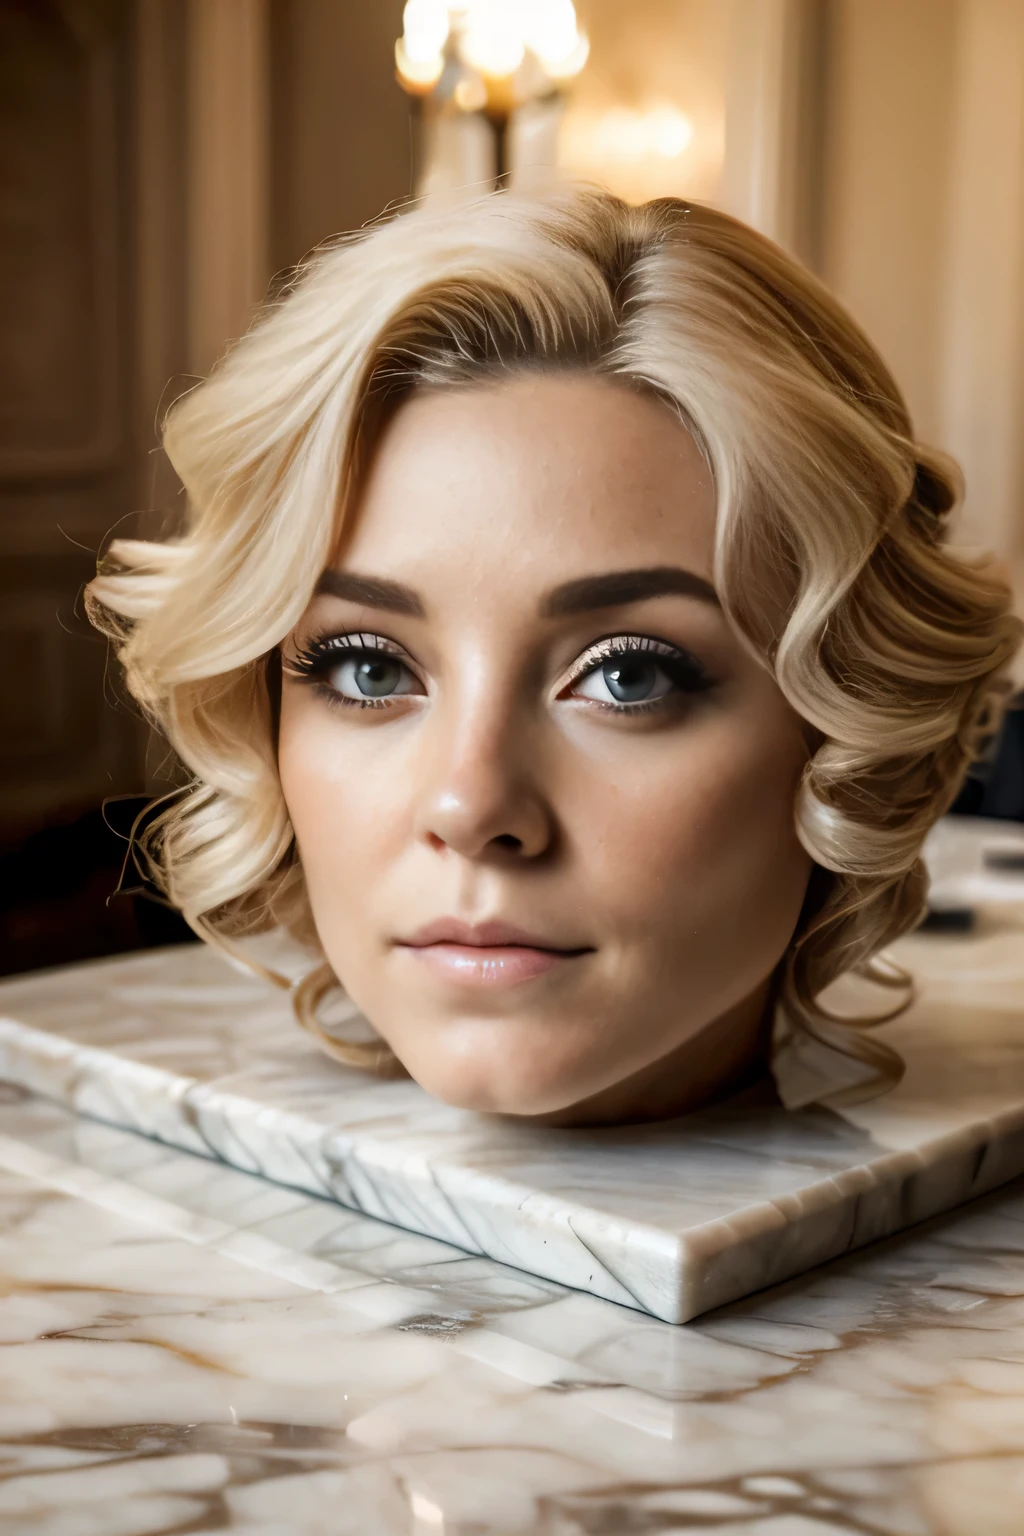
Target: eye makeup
pixel 373 669
pixel 637 673
pixel 632 668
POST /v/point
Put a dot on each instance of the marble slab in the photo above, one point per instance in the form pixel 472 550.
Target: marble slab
pixel 671 1219
pixel 191 1348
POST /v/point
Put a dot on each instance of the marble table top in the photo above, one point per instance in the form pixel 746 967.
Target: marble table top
pixel 189 1348
pixel 672 1219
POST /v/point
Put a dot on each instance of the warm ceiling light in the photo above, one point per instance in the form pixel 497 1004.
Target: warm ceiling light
pixel 550 30
pixel 425 30
pixel 622 136
pixel 492 39
pixel 418 76
pixel 470 94
pixel 669 132
pixel 571 63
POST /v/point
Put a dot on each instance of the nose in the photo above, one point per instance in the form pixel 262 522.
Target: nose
pixel 483 796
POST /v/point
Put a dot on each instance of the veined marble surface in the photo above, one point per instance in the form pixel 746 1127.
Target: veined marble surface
pixel 672 1219
pixel 190 1349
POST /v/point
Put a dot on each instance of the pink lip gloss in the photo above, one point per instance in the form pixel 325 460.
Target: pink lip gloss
pixel 488 965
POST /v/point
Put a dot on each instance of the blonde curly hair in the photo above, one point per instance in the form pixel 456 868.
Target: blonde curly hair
pixel 829 545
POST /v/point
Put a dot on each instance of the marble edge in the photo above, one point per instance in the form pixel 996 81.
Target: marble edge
pixel 900 1191
pixel 447 1203
pixel 673 1275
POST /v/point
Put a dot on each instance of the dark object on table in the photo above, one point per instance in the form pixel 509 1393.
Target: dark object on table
pixel 994 787
pixel 1006 860
pixel 949 920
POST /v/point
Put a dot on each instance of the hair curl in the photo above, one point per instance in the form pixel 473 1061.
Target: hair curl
pixel 830 559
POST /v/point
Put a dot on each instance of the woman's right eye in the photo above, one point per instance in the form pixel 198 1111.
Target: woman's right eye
pixel 360 670
pixel 370 676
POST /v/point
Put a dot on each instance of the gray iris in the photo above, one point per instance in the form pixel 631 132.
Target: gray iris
pixel 630 681
pixel 378 678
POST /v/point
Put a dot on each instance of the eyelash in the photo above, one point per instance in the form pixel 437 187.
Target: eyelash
pixel 683 669
pixel 311 663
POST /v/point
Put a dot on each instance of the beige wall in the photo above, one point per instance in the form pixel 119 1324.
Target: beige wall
pixel 922 225
pixel 644 55
pixel 983 303
pixel 888 87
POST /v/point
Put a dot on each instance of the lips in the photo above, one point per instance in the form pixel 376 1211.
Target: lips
pixel 449 930
pixel 485 954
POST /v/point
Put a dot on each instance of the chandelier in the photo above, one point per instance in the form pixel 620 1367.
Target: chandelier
pixel 489 56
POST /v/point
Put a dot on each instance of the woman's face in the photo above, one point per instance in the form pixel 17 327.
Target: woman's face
pixel 543 797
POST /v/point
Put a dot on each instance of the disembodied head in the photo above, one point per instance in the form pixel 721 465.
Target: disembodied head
pixel 563 648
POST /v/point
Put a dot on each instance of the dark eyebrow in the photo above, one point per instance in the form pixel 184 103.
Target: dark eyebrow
pixel 618 587
pixel 372 592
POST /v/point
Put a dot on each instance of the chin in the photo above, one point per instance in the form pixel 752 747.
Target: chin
pixel 494 1081
pixel 494 1095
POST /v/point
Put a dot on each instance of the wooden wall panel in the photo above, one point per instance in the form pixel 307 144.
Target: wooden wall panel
pixel 65 438
pixel 342 138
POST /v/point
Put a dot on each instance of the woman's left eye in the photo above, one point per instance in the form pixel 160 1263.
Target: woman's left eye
pixel 643 673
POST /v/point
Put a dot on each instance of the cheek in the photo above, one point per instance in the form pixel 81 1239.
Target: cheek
pixel 701 836
pixel 343 799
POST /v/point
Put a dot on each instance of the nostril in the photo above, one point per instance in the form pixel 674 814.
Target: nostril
pixel 506 840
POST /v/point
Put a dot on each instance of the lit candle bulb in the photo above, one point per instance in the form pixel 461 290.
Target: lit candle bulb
pixel 492 39
pixel 552 34
pixel 419 52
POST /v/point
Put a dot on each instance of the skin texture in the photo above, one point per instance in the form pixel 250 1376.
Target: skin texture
pixel 658 846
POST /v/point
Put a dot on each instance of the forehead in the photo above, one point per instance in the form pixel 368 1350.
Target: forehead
pixel 550 473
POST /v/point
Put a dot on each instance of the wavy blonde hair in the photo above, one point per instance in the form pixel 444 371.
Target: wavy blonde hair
pixel 829 546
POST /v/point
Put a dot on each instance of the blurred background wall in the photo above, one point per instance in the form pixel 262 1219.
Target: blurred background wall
pixel 165 162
